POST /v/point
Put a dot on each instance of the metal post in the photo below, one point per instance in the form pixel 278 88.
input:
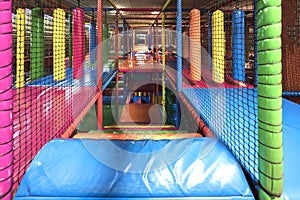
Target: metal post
pixel 99 59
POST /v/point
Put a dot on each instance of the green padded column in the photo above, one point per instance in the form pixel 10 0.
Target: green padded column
pixel 105 43
pixel 37 44
pixel 269 99
pixel 70 39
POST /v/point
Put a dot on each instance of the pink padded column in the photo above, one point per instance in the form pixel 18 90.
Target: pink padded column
pixel 6 96
pixel 78 43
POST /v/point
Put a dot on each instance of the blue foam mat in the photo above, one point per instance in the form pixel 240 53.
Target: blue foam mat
pixel 146 169
pixel 291 150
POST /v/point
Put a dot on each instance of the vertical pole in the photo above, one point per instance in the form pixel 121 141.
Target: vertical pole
pixel 128 40
pixel 156 22
pixel 131 43
pixel 117 64
pixel 156 52
pixel 20 52
pixel 124 39
pixel 104 44
pixel 218 43
pixel 117 40
pixel 149 39
pixel 59 66
pixel 93 42
pixel 238 45
pixel 209 46
pixel 255 45
pixel 37 46
pixel 99 59
pixel 270 153
pixel 78 43
pixel 154 42
pixel 70 39
pixel 6 99
pixel 179 45
pixel 163 40
pixel 195 44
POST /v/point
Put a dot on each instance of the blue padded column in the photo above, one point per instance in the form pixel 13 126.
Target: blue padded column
pixel 209 38
pixel 93 42
pixel 238 45
pixel 179 45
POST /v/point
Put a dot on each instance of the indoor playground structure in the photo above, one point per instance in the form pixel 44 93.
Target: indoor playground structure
pixel 152 100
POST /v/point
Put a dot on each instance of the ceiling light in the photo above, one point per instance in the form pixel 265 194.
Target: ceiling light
pixel 155 12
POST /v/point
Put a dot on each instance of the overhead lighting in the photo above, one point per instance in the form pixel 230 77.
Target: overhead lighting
pixel 113 12
pixel 155 12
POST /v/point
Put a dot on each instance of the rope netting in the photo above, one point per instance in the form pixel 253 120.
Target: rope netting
pixel 219 80
pixel 219 48
pixel 51 88
pixel 237 100
pixel 291 50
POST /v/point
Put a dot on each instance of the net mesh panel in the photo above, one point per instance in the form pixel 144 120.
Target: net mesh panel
pixel 226 97
pixel 47 98
pixel 291 48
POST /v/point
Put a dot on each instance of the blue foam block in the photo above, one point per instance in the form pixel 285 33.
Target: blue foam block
pixel 166 169
pixel 291 150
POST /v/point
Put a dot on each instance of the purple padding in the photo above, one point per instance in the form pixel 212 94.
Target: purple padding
pixel 6 121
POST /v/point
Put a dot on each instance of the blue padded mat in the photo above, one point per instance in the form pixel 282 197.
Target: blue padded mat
pixel 291 150
pixel 200 168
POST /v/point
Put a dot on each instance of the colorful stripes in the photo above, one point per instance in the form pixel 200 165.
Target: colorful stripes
pixel 59 46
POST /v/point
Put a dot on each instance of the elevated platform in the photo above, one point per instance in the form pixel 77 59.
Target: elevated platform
pixel 140 66
pixel 89 79
pixel 142 135
pixel 199 168
pixel 134 126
